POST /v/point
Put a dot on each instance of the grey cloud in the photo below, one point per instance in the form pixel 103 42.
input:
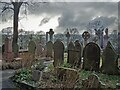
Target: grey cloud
pixel 76 14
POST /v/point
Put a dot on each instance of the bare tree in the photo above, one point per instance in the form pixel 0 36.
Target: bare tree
pixel 15 7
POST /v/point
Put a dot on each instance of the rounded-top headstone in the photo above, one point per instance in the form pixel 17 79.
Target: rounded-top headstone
pixel 91 57
pixel 58 47
pixel 71 46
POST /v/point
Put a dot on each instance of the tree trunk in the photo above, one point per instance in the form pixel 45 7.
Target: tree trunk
pixel 15 29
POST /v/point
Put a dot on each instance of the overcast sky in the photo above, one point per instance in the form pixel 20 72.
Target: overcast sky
pixel 62 15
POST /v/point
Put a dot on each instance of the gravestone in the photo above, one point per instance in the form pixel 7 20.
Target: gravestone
pixel 110 60
pixel 8 55
pixel 36 75
pixel 78 53
pixel 92 82
pixel 49 49
pixel 68 38
pixel 58 53
pixel 39 49
pixel 31 47
pixel 51 32
pixel 85 36
pixel 99 34
pixel 91 57
pixel 3 48
pixel 68 76
pixel 71 54
pixel 106 37
pixel 47 36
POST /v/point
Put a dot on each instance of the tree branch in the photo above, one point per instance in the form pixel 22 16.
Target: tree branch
pixel 6 8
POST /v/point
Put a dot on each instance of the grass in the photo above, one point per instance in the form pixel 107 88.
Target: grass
pixel 108 80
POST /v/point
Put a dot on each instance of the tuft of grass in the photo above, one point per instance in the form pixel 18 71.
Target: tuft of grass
pixel 108 80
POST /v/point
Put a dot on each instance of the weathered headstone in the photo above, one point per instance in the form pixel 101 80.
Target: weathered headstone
pixel 71 54
pixel 99 34
pixel 68 38
pixel 110 60
pixel 31 47
pixel 68 76
pixel 91 57
pixel 47 36
pixel 51 32
pixel 3 48
pixel 36 75
pixel 92 82
pixel 78 53
pixel 58 53
pixel 106 37
pixel 39 49
pixel 85 36
pixel 49 49
pixel 8 54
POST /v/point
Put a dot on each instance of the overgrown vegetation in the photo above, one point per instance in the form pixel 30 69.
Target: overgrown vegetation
pixel 23 75
pixel 110 81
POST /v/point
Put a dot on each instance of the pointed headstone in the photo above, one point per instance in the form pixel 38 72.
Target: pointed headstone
pixel 110 60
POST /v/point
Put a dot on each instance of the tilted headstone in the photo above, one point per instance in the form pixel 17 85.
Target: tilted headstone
pixel 110 60
pixel 58 53
pixel 78 53
pixel 92 82
pixel 8 55
pixel 91 57
pixel 36 75
pixel 49 49
pixel 68 76
pixel 71 54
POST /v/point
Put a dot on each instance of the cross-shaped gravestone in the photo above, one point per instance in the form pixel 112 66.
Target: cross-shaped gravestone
pixel 110 60
pixel 99 34
pixel 86 36
pixel 51 32
pixel 68 38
